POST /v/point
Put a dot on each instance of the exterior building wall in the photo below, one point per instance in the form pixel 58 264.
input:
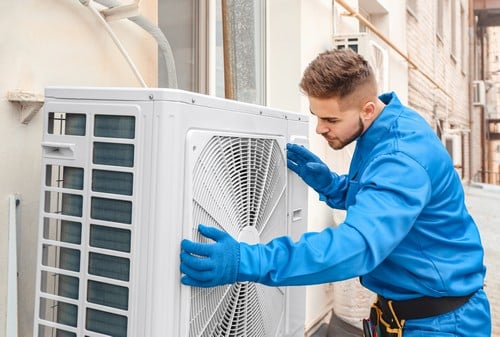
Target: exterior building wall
pixel 298 31
pixel 50 43
pixel 445 103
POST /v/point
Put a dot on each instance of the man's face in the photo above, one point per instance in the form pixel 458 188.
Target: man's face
pixel 339 124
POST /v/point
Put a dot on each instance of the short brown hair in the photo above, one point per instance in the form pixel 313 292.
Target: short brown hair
pixel 336 73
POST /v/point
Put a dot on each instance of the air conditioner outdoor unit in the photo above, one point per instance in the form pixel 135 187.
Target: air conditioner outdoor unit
pixel 479 93
pixel 357 42
pixel 372 51
pixel 128 173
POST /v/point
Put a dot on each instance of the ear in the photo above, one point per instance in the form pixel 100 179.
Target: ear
pixel 368 111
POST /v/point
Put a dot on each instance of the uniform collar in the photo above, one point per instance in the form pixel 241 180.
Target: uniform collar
pixel 382 124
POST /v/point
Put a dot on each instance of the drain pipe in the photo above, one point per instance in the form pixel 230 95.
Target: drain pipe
pixel 11 327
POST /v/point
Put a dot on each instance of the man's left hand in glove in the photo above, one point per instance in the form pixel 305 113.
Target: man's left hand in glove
pixel 210 264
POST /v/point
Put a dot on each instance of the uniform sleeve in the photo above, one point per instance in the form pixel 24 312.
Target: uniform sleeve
pixel 335 195
pixel 392 192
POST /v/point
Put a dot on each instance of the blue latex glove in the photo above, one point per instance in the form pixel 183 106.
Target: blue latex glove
pixel 310 168
pixel 210 264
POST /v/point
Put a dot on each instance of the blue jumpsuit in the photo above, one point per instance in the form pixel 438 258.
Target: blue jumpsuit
pixel 407 232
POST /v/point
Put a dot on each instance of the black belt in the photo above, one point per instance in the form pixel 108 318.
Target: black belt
pixel 422 307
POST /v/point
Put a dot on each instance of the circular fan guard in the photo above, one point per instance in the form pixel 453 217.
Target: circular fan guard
pixel 239 182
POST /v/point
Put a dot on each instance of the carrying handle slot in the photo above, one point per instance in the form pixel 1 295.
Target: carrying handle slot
pixel 297 214
pixel 58 150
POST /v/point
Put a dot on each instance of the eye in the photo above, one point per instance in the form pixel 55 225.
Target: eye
pixel 331 120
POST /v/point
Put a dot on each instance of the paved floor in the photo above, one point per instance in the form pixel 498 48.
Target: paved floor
pixel 483 202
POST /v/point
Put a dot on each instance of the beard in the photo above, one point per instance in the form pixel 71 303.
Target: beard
pixel 338 144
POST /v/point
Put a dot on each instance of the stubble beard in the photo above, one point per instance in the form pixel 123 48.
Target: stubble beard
pixel 338 144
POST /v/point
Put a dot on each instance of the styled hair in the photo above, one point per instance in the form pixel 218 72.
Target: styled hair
pixel 336 73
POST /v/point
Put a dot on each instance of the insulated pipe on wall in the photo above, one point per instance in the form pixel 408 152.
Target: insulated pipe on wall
pixel 115 39
pixel 158 35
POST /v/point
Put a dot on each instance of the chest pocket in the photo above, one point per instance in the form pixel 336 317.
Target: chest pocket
pixel 354 187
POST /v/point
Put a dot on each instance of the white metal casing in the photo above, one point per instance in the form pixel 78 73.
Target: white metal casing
pixel 171 130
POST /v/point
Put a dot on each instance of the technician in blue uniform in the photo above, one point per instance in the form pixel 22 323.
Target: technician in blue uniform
pixel 407 233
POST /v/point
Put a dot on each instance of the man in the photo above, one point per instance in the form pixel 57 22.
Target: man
pixel 407 233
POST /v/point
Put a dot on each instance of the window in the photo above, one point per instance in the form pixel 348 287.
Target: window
pixel 362 28
pixel 439 18
pixel 411 6
pixel 453 16
pixel 463 39
pixel 179 21
pixel 195 32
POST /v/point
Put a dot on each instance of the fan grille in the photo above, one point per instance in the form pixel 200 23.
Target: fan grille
pixel 239 182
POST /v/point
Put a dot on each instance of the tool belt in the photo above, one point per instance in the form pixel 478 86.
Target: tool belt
pixel 387 317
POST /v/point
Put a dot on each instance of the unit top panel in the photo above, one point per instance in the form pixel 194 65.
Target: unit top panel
pixel 131 94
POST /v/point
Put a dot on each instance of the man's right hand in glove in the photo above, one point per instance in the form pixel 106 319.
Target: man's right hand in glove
pixel 310 168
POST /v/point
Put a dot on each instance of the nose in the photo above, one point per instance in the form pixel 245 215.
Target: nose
pixel 321 127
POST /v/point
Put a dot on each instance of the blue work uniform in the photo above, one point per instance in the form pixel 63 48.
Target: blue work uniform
pixel 407 232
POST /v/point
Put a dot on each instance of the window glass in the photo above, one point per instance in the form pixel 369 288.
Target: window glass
pixel 246 52
pixel 453 28
pixel 412 6
pixel 439 18
pixel 194 30
pixel 179 21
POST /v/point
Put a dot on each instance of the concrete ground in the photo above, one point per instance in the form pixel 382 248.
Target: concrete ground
pixel 483 202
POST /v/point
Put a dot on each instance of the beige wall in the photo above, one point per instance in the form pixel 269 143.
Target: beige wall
pixel 47 43
pixel 298 30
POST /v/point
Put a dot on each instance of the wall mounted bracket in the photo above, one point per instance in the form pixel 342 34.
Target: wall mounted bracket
pixel 29 103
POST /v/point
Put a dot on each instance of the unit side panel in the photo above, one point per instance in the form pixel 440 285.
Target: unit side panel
pixel 166 208
pixel 297 217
